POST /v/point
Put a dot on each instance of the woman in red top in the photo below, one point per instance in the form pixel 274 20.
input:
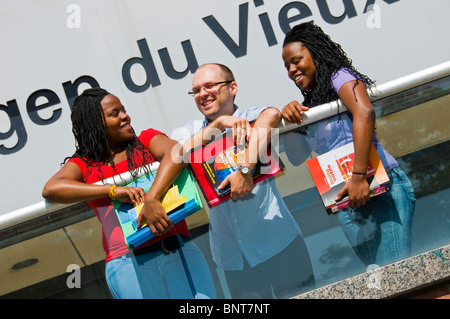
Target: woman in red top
pixel 106 145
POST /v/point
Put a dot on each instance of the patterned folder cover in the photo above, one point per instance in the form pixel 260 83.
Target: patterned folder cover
pixel 183 197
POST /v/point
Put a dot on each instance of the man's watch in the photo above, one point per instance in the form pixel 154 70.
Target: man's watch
pixel 244 169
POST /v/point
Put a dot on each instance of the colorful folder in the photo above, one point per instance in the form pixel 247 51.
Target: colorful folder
pixel 180 201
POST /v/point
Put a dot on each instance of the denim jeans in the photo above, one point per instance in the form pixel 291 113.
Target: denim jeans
pixel 156 275
pixel 287 273
pixel 380 231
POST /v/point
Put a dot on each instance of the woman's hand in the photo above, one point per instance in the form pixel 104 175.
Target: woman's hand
pixel 293 112
pixel 134 195
pixel 358 191
pixel 154 214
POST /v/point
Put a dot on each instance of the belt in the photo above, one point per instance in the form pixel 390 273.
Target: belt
pixel 167 245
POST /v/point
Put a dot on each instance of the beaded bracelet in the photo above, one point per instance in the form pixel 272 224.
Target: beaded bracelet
pixel 111 192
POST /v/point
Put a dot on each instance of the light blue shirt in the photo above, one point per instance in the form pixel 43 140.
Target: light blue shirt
pixel 257 226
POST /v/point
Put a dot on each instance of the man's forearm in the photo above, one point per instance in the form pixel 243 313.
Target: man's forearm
pixel 261 135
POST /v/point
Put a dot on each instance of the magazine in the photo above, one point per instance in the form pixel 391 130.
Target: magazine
pixel 213 162
pixel 330 172
pixel 180 201
pixel 218 167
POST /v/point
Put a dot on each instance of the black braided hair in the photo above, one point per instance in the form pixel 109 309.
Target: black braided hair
pixel 328 58
pixel 91 136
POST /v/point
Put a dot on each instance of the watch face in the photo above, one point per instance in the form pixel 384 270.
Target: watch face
pixel 244 169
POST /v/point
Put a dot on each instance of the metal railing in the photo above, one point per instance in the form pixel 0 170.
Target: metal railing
pixel 315 114
pixel 379 92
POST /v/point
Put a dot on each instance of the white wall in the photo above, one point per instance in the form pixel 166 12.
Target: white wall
pixel 46 43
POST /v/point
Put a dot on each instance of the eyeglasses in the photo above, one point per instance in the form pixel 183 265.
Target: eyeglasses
pixel 208 87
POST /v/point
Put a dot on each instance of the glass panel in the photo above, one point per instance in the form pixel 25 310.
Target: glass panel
pixel 40 258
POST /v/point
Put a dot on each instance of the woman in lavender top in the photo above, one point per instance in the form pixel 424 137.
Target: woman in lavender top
pixel 378 228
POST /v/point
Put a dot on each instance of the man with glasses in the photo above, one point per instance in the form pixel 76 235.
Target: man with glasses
pixel 253 236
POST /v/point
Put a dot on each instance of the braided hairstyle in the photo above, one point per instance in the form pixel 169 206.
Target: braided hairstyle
pixel 91 136
pixel 328 58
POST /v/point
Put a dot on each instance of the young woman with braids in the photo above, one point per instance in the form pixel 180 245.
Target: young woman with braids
pixel 106 145
pixel 380 229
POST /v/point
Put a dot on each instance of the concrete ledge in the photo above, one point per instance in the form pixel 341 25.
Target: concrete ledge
pixel 390 281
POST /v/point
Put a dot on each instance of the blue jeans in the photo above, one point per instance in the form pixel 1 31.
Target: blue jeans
pixel 156 275
pixel 380 231
pixel 287 273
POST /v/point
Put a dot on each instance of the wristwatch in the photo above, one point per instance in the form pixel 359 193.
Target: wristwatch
pixel 244 169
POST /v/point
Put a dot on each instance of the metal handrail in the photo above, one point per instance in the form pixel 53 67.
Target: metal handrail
pixel 382 91
pixel 45 207
pixel 315 114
